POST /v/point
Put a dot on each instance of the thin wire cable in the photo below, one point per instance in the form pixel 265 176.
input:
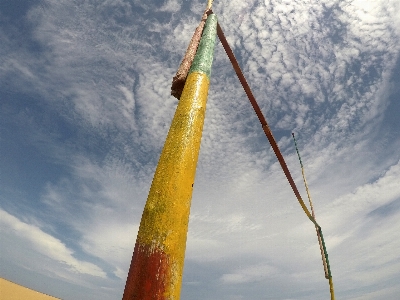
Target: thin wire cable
pixel 262 120
pixel 312 208
pixel 273 143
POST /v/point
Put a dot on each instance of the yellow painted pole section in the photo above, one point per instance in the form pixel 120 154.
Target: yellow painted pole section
pixel 166 214
pixel 157 263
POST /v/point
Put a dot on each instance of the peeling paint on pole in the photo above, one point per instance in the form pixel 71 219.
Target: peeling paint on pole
pixel 178 82
pixel 157 263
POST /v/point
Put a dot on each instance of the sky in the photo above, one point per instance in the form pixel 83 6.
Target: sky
pixel 85 108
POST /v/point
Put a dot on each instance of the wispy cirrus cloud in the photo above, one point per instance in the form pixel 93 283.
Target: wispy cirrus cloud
pixel 47 245
pixel 89 94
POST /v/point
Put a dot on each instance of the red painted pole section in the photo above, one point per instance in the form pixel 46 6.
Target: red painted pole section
pixel 156 268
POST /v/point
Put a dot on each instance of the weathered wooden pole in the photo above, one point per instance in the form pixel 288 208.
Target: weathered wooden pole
pixel 157 264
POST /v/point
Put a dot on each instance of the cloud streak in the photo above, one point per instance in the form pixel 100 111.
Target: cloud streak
pixel 48 245
pixel 87 98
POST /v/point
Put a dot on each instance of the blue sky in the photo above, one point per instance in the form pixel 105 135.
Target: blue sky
pixel 85 108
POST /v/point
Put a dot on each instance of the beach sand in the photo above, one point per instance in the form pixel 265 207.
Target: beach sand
pixel 12 291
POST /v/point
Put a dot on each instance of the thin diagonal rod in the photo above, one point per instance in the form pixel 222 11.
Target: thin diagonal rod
pixel 273 143
pixel 262 119
pixel 312 209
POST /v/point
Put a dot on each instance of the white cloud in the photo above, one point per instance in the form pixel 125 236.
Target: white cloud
pixel 171 6
pixel 47 245
pixel 249 274
pixel 367 198
pixel 112 242
pixel 314 68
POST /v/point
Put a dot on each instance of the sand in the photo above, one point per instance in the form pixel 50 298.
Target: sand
pixel 12 291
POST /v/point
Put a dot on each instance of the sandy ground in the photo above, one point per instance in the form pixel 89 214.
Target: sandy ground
pixel 12 291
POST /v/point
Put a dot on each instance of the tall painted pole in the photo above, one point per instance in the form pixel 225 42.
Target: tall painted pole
pixel 157 264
